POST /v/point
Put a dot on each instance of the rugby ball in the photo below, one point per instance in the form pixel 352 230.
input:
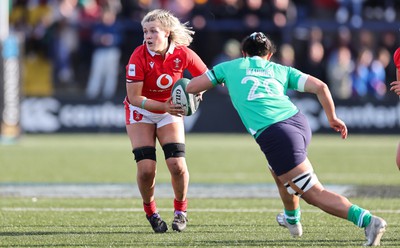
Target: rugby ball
pixel 189 102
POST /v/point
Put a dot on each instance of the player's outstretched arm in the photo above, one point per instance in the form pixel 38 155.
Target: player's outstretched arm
pixel 316 86
pixel 199 84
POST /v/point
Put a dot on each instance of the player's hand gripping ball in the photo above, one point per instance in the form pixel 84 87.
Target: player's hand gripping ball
pixel 189 102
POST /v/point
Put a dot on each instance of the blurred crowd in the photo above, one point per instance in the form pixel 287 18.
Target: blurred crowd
pixel 346 43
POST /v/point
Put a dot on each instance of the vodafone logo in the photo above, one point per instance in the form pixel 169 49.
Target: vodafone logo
pixel 164 81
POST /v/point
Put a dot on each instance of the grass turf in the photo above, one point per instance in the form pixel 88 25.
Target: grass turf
pixel 212 223
pixel 213 158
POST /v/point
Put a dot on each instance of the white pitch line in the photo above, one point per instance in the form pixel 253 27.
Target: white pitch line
pixel 163 190
pixel 218 210
pixel 215 210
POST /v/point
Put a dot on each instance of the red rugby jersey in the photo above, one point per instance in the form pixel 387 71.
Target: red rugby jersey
pixel 159 74
pixel 396 58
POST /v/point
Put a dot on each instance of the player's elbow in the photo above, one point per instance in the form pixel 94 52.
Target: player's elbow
pixel 321 88
pixel 315 86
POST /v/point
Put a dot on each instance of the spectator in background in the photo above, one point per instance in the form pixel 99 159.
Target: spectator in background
pixel 180 8
pixel 389 43
pixel 350 10
pixel 340 65
pixel 106 37
pixel 227 9
pixel 387 39
pixel 365 38
pixel 231 50
pixel 136 10
pixel 19 17
pixel 39 19
pixel 89 13
pixel 361 73
pixel 286 55
pixel 323 9
pixel 31 21
pixel 378 73
pixel 284 16
pixel 339 73
pixel 343 37
pixel 113 5
pixel 64 41
pixel 380 10
pixel 315 64
pixel 255 11
pixel 284 12
pixel 368 76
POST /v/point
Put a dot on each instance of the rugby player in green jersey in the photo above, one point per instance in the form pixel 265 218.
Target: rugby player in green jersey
pixel 257 88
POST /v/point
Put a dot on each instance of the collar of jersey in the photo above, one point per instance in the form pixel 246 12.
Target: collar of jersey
pixel 170 50
pixel 256 57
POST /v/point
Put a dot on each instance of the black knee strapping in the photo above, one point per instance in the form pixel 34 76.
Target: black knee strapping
pixel 174 150
pixel 145 152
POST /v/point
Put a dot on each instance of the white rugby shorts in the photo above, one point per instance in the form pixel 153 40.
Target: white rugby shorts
pixel 135 114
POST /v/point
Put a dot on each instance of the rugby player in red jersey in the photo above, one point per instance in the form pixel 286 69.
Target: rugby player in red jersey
pixel 395 87
pixel 152 70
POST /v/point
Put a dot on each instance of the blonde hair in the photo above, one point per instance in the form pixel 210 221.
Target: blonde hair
pixel 180 33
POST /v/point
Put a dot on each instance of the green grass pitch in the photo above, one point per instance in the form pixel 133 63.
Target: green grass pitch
pixel 212 158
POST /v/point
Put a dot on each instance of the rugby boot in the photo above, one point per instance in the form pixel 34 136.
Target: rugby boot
pixel 374 231
pixel 179 222
pixel 158 225
pixel 296 230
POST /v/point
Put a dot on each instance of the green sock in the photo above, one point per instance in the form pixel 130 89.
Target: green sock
pixel 359 216
pixel 293 216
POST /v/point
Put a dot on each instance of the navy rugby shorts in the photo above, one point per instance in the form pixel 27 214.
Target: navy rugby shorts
pixel 285 143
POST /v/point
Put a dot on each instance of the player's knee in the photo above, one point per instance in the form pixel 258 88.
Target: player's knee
pixel 302 183
pixel 177 167
pixel 174 150
pixel 145 152
pixel 146 175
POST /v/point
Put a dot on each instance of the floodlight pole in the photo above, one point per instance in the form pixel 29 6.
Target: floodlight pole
pixel 4 16
pixel 10 79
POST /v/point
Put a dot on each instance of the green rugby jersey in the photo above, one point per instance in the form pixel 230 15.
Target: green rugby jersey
pixel 257 88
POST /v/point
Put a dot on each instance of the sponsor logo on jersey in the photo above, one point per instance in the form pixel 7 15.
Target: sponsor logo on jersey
pixel 132 70
pixel 151 64
pixel 164 81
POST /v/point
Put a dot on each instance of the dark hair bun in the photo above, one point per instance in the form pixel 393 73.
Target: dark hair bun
pixel 258 37
pixel 257 44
